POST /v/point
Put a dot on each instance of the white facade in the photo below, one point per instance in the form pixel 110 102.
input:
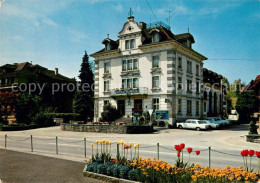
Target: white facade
pixel 151 81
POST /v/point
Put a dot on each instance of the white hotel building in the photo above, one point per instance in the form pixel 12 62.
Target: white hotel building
pixel 149 68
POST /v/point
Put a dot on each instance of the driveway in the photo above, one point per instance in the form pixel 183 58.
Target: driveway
pixel 17 167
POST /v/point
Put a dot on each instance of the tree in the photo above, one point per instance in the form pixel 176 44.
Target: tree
pixel 7 103
pixel 84 103
pixel 246 105
pixel 27 107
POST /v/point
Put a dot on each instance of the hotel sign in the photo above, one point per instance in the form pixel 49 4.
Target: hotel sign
pixel 129 91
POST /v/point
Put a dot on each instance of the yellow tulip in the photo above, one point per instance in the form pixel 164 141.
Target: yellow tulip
pixel 130 144
pixel 118 142
pixel 92 144
pixel 97 141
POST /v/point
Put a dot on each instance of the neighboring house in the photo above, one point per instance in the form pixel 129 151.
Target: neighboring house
pixel 23 74
pixel 213 94
pixel 254 85
pixel 149 68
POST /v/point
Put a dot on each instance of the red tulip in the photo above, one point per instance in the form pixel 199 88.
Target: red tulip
pixel 189 149
pixel 197 152
pixel 178 148
pixel 257 153
pixel 251 153
pixel 126 147
pixel 178 154
pixel 182 145
pixel 244 152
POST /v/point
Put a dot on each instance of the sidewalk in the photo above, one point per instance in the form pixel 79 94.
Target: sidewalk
pixel 17 167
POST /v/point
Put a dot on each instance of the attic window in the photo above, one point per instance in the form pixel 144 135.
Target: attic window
pixel 108 46
pixel 156 37
pixel 130 28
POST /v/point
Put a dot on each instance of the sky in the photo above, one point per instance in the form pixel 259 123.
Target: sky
pixel 56 33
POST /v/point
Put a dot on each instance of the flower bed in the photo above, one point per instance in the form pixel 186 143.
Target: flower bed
pixel 129 165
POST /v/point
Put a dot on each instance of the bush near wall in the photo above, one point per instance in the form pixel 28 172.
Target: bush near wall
pixel 66 116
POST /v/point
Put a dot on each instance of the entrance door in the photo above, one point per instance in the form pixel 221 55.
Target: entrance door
pixel 121 107
pixel 138 105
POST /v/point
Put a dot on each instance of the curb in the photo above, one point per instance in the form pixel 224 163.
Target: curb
pixel 105 177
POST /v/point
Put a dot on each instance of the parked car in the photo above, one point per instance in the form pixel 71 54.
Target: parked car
pixel 225 121
pixel 217 120
pixel 194 124
pixel 212 123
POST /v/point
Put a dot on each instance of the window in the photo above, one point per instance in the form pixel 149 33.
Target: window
pixel 0 82
pixel 135 64
pixel 124 65
pixel 205 107
pixel 155 82
pixel 132 43
pixel 106 102
pixel 197 70
pixel 197 107
pixel 135 82
pixel 197 87
pixel 189 67
pixel 6 81
pixel 179 83
pixel 129 65
pixel 108 46
pixel 129 83
pixel 106 85
pixel 156 104
pixel 179 63
pixel 188 85
pixel 179 105
pixel 127 44
pixel 155 37
pixel 107 67
pixel 124 83
pixel 156 61
pixel 189 106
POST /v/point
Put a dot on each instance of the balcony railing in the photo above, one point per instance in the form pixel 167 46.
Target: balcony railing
pixel 130 91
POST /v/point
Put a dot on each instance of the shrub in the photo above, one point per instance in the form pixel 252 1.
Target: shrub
pixel 252 127
pixel 116 170
pixel 123 171
pixel 132 174
pixel 101 168
pixel 43 120
pixel 110 113
pixel 27 106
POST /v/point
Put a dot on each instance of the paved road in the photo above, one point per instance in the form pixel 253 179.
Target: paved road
pixel 226 143
pixel 17 167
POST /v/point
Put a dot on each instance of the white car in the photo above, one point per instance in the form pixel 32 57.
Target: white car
pixel 212 123
pixel 216 120
pixel 224 120
pixel 194 124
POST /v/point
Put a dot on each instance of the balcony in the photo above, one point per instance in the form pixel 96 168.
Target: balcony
pixel 130 91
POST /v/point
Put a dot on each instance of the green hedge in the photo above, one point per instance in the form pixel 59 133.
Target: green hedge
pixel 66 116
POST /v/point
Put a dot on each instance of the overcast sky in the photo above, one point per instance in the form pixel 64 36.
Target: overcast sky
pixel 55 33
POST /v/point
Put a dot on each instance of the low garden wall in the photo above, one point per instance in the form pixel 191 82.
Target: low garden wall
pixel 253 138
pixel 106 128
pixel 17 128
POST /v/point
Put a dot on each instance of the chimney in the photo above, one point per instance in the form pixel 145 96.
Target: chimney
pixel 142 25
pixel 56 71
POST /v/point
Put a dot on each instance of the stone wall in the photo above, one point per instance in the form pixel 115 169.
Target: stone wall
pixel 106 128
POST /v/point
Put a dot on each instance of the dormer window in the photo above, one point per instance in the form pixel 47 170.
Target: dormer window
pixel 108 46
pixel 130 28
pixel 156 37
pixel 130 44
